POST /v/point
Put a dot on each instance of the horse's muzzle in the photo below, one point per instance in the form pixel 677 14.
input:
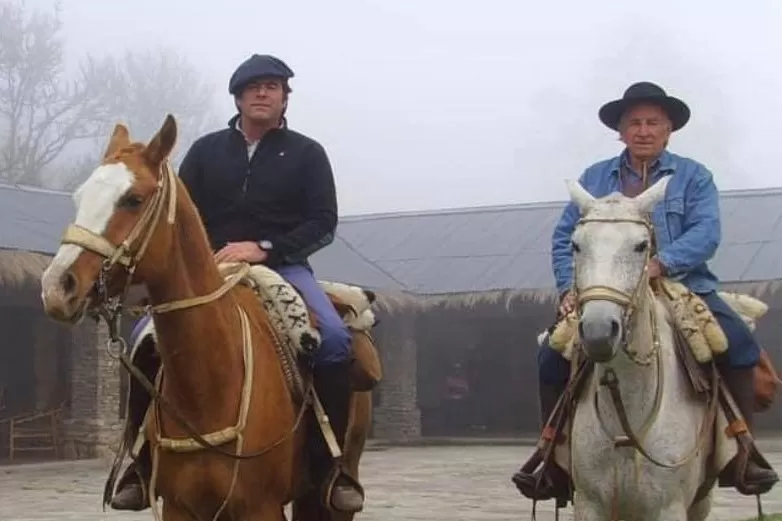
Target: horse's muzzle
pixel 600 337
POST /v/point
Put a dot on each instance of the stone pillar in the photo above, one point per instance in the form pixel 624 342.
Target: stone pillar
pixel 396 416
pixel 93 428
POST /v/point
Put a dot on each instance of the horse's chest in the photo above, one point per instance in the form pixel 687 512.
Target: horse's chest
pixel 601 470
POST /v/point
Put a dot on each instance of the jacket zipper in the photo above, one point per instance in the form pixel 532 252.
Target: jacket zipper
pixel 245 183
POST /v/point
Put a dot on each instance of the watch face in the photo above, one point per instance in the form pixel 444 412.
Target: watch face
pixel 266 245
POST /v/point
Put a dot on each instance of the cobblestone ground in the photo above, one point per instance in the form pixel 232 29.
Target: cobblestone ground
pixel 422 483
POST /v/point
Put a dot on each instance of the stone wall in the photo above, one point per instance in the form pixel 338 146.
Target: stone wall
pixel 93 426
pixel 396 413
pixel 47 370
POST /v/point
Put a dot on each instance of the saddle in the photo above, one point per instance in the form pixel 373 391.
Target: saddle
pixel 698 337
pixel 295 324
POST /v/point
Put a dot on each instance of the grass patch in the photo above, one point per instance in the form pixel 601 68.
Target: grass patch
pixel 768 517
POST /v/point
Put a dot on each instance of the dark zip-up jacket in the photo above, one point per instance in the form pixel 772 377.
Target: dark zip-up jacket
pixel 284 194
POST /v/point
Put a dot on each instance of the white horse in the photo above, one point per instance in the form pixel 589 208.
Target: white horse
pixel 626 331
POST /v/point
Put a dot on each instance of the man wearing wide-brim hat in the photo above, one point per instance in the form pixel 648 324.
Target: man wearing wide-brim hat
pixel 687 226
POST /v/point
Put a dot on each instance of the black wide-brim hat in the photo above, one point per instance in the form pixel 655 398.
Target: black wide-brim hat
pixel 645 92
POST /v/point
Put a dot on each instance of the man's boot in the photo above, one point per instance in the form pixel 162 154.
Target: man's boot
pixel 332 384
pixel 741 384
pixel 131 493
pixel 554 479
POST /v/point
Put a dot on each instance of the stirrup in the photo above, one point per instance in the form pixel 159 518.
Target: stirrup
pixel 540 485
pixel 335 475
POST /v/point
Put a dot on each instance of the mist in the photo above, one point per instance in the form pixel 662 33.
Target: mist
pixel 435 104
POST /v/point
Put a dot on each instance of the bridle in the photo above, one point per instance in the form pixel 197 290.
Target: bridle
pixel 123 255
pixel 110 308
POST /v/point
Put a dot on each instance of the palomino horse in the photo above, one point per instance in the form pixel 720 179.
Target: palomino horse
pixel 626 331
pixel 136 223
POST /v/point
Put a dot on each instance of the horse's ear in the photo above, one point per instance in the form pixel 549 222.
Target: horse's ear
pixel 162 144
pixel 119 138
pixel 579 195
pixel 649 198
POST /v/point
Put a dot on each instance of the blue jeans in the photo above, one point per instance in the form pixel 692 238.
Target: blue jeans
pixel 335 336
pixel 743 350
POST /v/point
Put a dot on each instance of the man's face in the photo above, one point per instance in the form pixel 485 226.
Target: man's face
pixel 645 130
pixel 263 100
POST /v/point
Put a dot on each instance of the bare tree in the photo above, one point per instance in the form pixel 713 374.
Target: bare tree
pixel 139 89
pixel 41 111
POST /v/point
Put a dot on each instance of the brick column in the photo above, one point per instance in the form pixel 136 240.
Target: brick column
pixel 93 428
pixel 396 416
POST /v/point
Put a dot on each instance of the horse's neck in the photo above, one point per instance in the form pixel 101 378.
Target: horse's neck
pixel 203 362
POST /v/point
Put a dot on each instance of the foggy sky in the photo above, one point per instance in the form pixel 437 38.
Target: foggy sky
pixel 443 103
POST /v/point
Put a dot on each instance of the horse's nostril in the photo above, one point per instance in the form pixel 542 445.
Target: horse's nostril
pixel 68 282
pixel 614 328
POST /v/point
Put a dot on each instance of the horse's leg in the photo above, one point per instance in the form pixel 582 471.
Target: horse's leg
pixel 585 510
pixel 673 512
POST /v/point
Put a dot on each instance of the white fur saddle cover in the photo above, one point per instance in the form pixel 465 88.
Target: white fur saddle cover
pixel 288 312
pixel 690 315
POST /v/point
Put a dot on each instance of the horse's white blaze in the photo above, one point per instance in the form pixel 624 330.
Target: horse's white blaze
pixel 95 201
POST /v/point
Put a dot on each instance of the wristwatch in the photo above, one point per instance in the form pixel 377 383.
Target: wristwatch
pixel 265 245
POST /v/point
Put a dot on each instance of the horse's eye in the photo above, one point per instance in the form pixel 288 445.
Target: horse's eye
pixel 575 246
pixel 130 201
pixel 641 246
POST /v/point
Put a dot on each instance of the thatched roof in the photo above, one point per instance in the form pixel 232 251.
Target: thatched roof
pixel 23 269
pixel 397 302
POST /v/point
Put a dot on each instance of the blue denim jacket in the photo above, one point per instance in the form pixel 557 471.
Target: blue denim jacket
pixel 687 222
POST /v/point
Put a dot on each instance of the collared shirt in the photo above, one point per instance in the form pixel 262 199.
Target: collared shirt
pixel 631 183
pixel 687 222
pixel 252 145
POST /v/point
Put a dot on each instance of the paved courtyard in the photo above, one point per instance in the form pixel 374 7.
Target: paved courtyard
pixel 418 483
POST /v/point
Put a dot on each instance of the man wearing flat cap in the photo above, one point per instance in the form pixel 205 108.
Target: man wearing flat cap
pixel 266 195
pixel 687 233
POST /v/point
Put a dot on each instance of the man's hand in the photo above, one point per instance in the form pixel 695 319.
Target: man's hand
pixel 246 251
pixel 567 304
pixel 654 268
